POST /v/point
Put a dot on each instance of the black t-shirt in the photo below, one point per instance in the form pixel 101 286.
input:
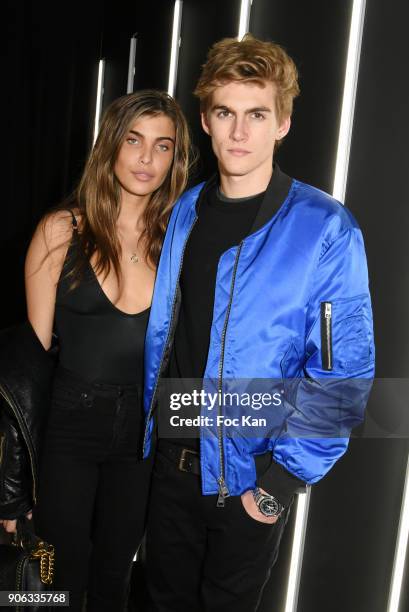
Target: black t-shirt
pixel 222 223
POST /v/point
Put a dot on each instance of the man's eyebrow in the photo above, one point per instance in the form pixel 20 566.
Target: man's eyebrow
pixel 158 138
pixel 259 109
pixel 256 109
pixel 221 107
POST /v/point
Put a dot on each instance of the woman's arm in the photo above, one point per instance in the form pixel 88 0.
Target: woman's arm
pixel 44 261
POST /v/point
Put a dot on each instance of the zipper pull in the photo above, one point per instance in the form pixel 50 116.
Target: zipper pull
pixel 223 493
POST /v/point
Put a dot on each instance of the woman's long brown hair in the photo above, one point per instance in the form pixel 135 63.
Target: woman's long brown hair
pixel 98 193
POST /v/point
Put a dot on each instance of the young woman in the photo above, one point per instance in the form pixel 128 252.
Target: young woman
pixel 90 272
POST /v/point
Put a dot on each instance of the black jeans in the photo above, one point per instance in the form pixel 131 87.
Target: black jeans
pixel 201 558
pixel 93 490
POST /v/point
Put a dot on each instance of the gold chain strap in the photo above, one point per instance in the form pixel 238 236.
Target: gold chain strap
pixel 46 554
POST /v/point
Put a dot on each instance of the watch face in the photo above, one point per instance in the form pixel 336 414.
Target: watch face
pixel 269 506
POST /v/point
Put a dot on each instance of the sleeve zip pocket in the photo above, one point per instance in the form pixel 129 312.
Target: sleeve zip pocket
pixel 326 335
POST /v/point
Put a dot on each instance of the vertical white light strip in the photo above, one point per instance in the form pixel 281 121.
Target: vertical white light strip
pixel 339 188
pixel 401 549
pixel 100 93
pixel 300 528
pixel 244 23
pixel 174 54
pixel 131 64
pixel 348 101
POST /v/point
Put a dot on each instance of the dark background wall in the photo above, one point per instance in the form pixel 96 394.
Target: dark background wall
pixel 49 90
pixel 50 84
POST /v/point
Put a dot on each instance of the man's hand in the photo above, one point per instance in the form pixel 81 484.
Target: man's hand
pixel 251 508
pixel 10 525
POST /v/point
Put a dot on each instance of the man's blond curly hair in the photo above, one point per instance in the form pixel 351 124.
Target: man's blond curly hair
pixel 250 60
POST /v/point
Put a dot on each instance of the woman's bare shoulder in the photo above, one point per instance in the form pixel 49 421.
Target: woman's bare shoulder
pixel 50 242
pixel 56 227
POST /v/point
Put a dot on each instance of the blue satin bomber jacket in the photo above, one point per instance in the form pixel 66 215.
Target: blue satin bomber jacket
pixel 291 303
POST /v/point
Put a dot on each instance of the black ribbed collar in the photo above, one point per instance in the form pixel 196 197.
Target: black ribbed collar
pixel 276 192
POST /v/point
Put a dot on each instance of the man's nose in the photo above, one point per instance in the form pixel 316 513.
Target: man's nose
pixel 239 129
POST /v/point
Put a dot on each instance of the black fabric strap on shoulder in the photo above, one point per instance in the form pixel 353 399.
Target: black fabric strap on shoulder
pixel 74 220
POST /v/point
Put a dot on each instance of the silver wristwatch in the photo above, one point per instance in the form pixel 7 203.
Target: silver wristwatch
pixel 267 504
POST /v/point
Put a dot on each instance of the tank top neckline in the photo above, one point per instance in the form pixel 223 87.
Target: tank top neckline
pixel 106 298
pixel 74 242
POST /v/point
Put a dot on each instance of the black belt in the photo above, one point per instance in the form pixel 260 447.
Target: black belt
pixel 187 459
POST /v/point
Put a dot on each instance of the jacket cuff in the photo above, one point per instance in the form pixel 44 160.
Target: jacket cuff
pixel 15 509
pixel 276 480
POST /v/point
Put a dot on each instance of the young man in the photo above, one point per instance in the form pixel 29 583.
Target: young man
pixel 262 278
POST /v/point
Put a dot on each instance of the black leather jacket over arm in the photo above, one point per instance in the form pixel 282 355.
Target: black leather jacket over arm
pixel 26 374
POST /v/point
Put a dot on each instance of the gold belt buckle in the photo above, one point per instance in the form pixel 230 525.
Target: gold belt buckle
pixel 183 458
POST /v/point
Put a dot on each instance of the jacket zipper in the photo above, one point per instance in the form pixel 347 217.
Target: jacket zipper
pixel 326 335
pixel 25 435
pixel 223 489
pixel 167 339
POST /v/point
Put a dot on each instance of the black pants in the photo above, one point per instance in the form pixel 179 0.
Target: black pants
pixel 201 558
pixel 93 490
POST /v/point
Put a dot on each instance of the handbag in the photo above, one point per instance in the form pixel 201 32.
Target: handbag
pixel 27 564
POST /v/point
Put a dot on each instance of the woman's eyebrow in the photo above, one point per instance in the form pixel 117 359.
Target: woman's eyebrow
pixel 158 138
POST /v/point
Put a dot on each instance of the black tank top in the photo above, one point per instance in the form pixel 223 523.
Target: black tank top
pixel 97 341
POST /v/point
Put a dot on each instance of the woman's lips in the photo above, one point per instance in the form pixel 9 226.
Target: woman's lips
pixel 238 152
pixel 143 176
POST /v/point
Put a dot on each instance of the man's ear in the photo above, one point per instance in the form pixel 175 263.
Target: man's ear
pixel 205 125
pixel 284 128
